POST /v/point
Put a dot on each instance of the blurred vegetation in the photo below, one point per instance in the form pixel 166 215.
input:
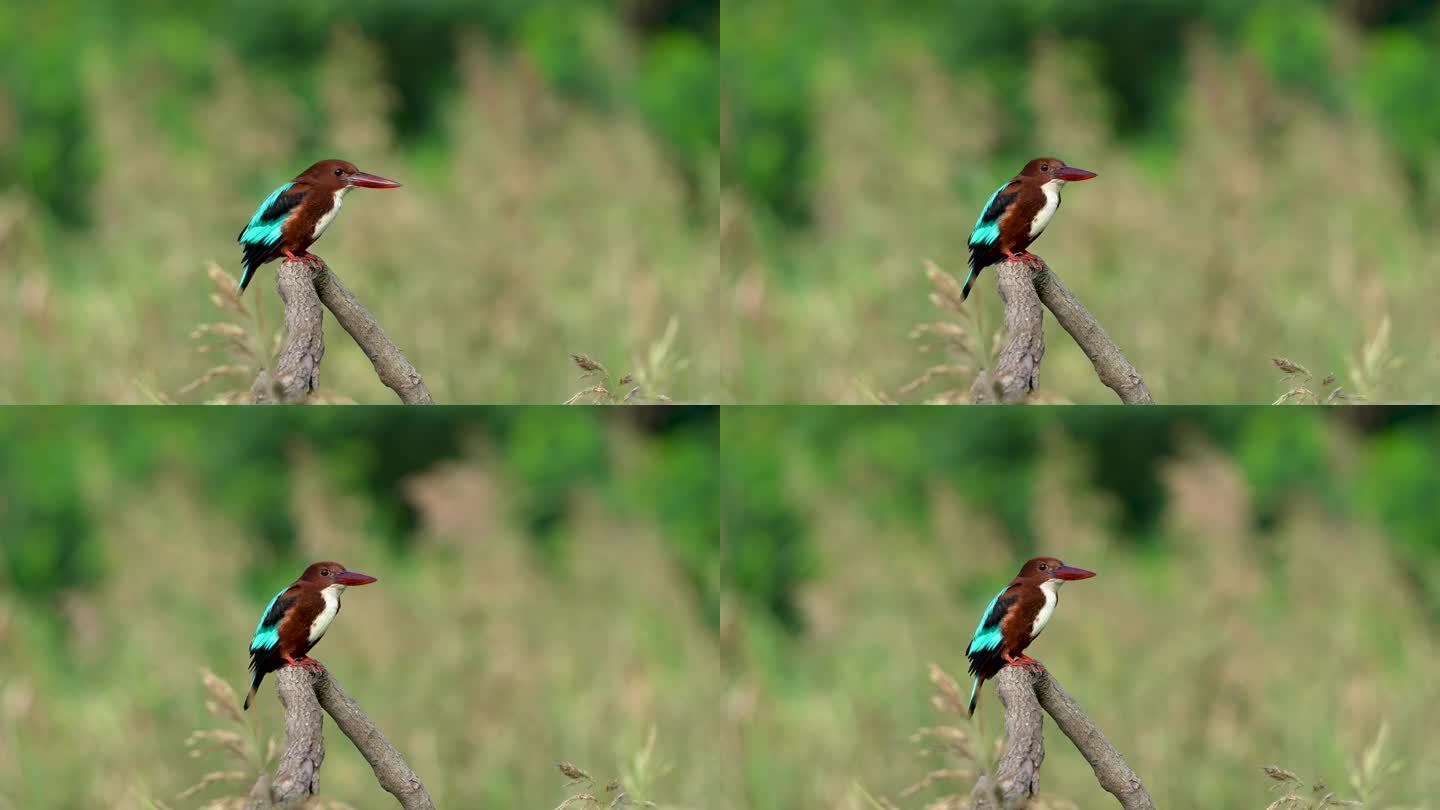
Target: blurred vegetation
pixel 1267 594
pixel 547 592
pixel 1268 175
pixel 559 161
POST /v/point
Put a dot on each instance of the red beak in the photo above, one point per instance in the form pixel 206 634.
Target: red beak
pixel 1070 571
pixel 1070 174
pixel 353 578
pixel 371 181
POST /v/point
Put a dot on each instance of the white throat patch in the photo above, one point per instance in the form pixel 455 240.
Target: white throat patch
pixel 1051 588
pixel 1052 204
pixel 332 607
pixel 330 215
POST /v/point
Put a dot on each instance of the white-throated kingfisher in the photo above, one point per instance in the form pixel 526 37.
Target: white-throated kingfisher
pixel 297 618
pixel 289 221
pixel 1017 213
pixel 1015 617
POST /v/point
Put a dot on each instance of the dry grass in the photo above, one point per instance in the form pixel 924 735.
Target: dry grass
pixel 637 387
pixel 543 228
pixel 630 790
pixel 1299 380
pixel 1194 259
pixel 1230 618
pixel 961 338
pixel 604 656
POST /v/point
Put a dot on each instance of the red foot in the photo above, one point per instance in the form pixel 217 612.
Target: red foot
pixel 310 259
pixel 306 662
pixel 1025 661
pixel 1028 258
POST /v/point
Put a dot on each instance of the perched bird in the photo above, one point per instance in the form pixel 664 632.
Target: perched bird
pixel 297 618
pixel 1015 617
pixel 1017 213
pixel 297 213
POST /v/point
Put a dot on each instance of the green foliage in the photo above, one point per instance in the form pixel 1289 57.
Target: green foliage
pixel 247 468
pixel 1239 545
pixel 993 460
pixel 126 570
pixel 1397 83
pixel 768 552
pixel 51 47
pixel 1135 48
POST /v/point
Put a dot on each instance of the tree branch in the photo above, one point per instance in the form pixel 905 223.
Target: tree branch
pixel 1023 288
pixel 297 371
pixel 1023 693
pixel 304 693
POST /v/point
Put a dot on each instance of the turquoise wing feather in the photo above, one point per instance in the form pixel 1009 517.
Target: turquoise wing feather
pixel 267 632
pixel 987 227
pixel 262 234
pixel 987 632
pixel 987 640
pixel 264 226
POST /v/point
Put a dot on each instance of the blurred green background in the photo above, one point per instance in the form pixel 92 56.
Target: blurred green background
pixel 1268 594
pixel 547 592
pixel 559 160
pixel 1269 180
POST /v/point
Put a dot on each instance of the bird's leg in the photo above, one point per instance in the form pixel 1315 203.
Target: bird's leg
pixel 315 262
pixel 1031 663
pixel 1024 661
pixel 305 661
pixel 290 256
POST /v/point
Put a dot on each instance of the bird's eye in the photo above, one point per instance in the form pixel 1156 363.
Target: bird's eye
pixel 324 572
pixel 1044 167
pixel 339 172
pixel 1043 566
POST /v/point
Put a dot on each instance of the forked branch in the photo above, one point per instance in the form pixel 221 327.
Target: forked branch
pixel 1023 288
pixel 304 693
pixel 1017 775
pixel 303 289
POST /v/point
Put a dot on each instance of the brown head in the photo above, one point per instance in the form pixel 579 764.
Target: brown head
pixel 1046 169
pixel 328 572
pixel 1043 569
pixel 338 174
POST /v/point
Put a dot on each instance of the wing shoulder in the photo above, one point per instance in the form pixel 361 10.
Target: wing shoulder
pixel 267 632
pixel 987 227
pixel 988 633
pixel 264 226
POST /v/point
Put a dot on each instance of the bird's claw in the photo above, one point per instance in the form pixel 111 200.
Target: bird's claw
pixel 306 662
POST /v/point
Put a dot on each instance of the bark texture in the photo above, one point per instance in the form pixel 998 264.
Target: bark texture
pixel 1023 289
pixel 304 693
pixel 1024 693
pixel 306 291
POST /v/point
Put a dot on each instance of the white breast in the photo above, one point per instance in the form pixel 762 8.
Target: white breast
pixel 331 214
pixel 1051 590
pixel 332 607
pixel 1052 203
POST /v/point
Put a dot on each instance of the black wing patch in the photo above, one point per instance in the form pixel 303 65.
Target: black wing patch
pixel 280 208
pixel 987 662
pixel 271 620
pixel 998 206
